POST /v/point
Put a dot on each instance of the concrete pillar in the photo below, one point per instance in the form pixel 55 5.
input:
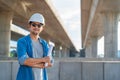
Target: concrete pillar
pixel 88 51
pixel 68 52
pixel 110 21
pixel 94 47
pixel 5 33
pixel 65 52
pixel 58 51
pixel 62 52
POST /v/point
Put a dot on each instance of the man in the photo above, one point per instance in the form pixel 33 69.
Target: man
pixel 33 52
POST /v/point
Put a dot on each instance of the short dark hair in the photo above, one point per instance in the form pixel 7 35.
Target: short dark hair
pixel 30 22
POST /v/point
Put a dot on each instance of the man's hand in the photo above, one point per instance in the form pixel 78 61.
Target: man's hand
pixel 40 65
pixel 46 59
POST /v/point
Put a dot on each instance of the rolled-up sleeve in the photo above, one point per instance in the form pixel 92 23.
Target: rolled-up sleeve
pixel 21 51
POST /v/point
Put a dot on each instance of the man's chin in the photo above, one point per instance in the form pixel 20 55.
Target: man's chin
pixel 35 33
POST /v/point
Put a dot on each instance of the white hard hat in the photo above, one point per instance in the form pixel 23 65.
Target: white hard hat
pixel 37 18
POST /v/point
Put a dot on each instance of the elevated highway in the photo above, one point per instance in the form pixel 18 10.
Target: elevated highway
pixel 18 12
pixel 100 19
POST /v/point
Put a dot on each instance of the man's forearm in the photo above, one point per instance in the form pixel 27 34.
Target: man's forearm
pixel 40 65
pixel 35 61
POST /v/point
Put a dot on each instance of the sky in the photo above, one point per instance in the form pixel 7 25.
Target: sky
pixel 69 12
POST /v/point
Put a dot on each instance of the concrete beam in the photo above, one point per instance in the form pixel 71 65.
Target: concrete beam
pixel 19 30
pixel 90 20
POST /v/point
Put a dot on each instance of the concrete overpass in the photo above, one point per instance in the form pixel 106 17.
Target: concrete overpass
pixel 18 12
pixel 100 18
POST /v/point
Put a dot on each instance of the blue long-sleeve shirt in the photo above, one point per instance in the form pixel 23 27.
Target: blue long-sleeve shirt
pixel 24 50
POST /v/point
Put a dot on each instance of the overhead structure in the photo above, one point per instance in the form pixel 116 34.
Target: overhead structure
pixel 19 11
pixel 100 18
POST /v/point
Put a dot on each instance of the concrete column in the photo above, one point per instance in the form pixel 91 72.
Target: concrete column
pixel 62 52
pixel 5 33
pixel 65 52
pixel 110 34
pixel 68 52
pixel 94 47
pixel 88 51
pixel 58 51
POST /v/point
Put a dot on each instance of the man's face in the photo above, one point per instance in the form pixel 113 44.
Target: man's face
pixel 35 28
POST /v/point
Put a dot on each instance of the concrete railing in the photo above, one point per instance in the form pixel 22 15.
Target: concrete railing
pixel 70 69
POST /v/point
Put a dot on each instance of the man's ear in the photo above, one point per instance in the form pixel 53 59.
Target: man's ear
pixel 28 27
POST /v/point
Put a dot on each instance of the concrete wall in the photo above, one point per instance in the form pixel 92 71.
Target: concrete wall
pixel 70 69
